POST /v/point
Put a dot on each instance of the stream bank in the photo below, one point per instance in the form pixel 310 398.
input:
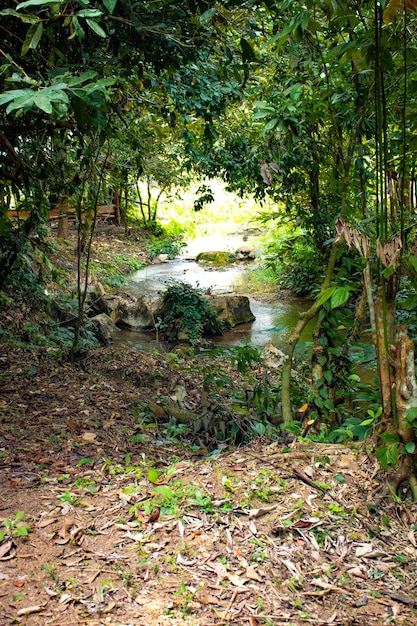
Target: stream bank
pixel 274 318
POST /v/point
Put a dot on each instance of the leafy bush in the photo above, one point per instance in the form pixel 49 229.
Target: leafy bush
pixel 188 315
pixel 296 262
pixel 170 246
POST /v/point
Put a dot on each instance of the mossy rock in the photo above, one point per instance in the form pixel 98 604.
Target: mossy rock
pixel 216 257
pixel 232 310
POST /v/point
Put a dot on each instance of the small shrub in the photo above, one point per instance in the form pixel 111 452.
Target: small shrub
pixel 187 314
pixel 296 262
pixel 170 246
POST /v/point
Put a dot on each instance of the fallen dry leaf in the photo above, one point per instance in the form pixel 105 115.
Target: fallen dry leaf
pixel 252 574
pixel 219 569
pixel 356 571
pixel 5 549
pixel 363 549
pixel 67 524
pixel 237 581
pixel 28 610
pixel 90 437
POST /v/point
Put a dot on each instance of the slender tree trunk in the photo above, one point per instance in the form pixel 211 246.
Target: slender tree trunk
pixel 116 200
pixel 385 335
pixel 63 218
pixel 141 206
pixel 125 212
pixel 148 187
pixel 85 239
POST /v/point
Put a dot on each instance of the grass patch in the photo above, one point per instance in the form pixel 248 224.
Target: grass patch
pixel 258 281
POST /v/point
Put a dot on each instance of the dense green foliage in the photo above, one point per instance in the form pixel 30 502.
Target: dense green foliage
pixel 296 263
pixel 188 315
pixel 170 246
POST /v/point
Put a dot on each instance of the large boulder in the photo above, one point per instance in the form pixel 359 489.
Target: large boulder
pixel 103 328
pixel 272 357
pixel 216 257
pixel 96 300
pixel 124 309
pixel 140 314
pixel 161 258
pixel 231 309
pixel 245 253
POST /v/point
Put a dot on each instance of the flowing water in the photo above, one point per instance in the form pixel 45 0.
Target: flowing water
pixel 274 320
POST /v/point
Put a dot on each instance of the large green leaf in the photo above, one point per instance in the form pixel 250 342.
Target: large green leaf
pixel 248 52
pixel 73 81
pixel 96 28
pixel 24 103
pixel 106 82
pixel 89 13
pixel 43 102
pixel 79 30
pixel 25 99
pixel 37 3
pixel 325 295
pixel 32 38
pixel 410 447
pixel 207 15
pixel 24 17
pixel 390 437
pixel 339 296
pixel 8 96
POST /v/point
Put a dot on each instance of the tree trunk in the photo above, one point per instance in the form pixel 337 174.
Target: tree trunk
pixel 116 202
pixel 402 358
pixel 125 213
pixel 384 336
pixel 63 218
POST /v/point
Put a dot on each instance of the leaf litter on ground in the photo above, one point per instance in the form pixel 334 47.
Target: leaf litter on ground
pixel 152 532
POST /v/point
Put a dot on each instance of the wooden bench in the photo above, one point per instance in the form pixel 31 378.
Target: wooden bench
pixel 104 211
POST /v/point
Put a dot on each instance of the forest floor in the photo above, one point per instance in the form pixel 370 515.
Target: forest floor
pixel 106 520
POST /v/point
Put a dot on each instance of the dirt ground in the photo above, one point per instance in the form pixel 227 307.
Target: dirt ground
pixel 105 521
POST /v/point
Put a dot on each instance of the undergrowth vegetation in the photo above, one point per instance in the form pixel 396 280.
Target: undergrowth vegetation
pixel 295 262
pixel 168 245
pixel 287 261
pixel 188 315
pixel 112 272
pixel 39 303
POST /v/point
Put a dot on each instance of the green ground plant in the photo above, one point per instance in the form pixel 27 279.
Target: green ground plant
pixel 15 527
pixel 171 246
pixel 113 272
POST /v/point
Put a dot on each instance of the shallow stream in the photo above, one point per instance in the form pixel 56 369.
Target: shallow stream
pixel 274 320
